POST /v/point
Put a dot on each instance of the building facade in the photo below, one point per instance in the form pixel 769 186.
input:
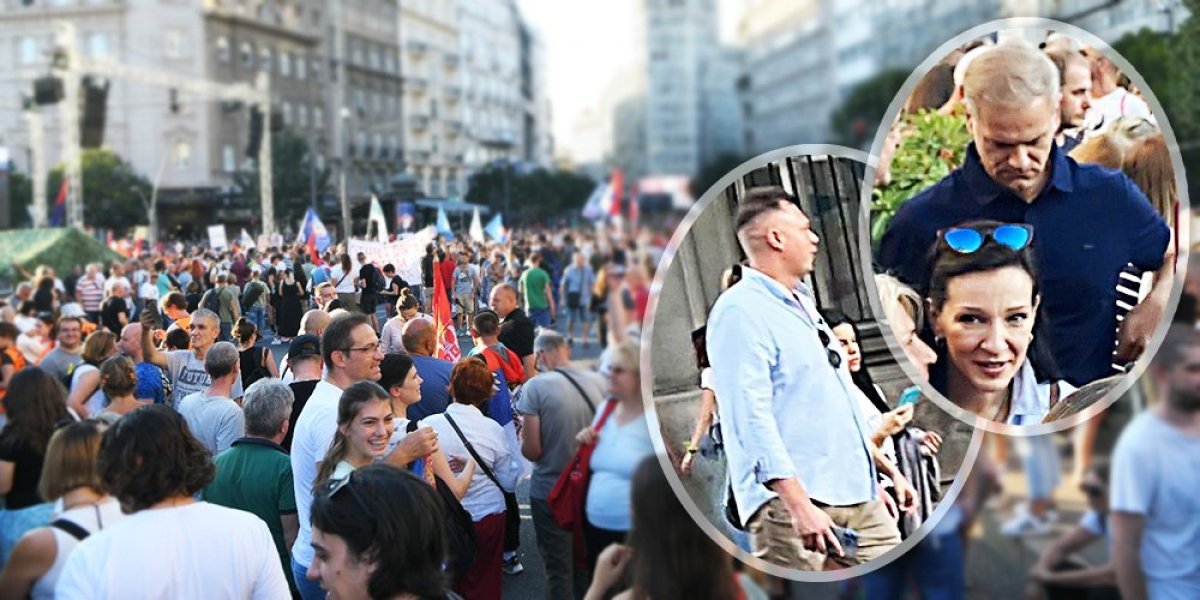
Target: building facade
pixel 434 132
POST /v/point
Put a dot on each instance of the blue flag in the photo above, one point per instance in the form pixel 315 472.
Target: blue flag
pixel 495 229
pixel 443 224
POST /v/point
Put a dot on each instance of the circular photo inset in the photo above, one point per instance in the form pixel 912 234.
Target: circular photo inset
pixel 1028 198
pixel 788 429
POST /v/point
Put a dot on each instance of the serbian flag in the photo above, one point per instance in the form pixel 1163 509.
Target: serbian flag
pixel 59 217
pixel 615 183
pixel 443 322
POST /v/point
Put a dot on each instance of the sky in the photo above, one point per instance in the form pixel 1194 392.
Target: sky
pixel 586 43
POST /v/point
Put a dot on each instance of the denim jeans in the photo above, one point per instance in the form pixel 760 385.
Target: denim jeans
pixel 258 316
pixel 1039 457
pixel 540 316
pixel 935 567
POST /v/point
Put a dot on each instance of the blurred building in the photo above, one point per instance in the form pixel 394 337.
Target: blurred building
pixel 430 59
pixel 1107 18
pixel 506 112
pixel 612 134
pixel 690 91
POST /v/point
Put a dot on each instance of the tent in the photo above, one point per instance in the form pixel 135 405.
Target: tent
pixel 60 248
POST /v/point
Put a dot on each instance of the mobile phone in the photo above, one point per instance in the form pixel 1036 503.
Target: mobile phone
pixel 848 538
pixel 910 395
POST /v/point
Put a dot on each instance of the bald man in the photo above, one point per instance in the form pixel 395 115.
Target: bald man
pixel 313 322
pixel 517 331
pixel 152 383
pixel 420 340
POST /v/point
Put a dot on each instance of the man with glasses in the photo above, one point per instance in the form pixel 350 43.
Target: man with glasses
pixel 351 352
pixel 801 464
pixel 1089 222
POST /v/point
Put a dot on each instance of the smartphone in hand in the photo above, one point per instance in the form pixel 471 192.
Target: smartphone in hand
pixel 910 395
pixel 848 538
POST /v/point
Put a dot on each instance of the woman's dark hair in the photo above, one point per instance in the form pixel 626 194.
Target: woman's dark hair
pixel 118 377
pixel 406 300
pixel 661 530
pixel 344 259
pixel 471 382
pixel 394 369
pixel 393 519
pixel 177 339
pixel 949 264
pixel 244 330
pixel 700 346
pixel 150 455
pixel 862 379
pixel 35 402
pixel 352 401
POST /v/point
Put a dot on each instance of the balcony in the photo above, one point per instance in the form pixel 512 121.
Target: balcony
pixel 419 156
pixel 417 49
pixel 453 93
pixel 452 61
pixel 454 127
pixel 417 85
pixel 500 138
pixel 419 122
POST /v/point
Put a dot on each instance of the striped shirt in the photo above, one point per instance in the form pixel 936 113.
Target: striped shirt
pixel 90 292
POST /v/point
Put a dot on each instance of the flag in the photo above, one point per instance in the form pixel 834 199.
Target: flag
pixel 244 240
pixel 59 216
pixel 378 219
pixel 476 230
pixel 597 206
pixel 615 182
pixel 495 229
pixel 406 215
pixel 313 232
pixel 443 224
pixel 443 322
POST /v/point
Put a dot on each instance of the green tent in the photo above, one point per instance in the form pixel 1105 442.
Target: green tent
pixel 60 248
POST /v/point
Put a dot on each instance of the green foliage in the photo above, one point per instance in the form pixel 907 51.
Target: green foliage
pixel 537 195
pixel 20 196
pixel 61 248
pixel 857 120
pixel 291 179
pixel 114 194
pixel 933 145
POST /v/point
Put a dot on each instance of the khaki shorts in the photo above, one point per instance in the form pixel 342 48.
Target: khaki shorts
pixel 773 539
pixel 467 302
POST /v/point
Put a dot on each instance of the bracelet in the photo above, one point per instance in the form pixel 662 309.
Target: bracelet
pixel 691 448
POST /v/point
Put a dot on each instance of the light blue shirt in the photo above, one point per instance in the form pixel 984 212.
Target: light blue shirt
pixel 1031 399
pixel 619 451
pixel 785 412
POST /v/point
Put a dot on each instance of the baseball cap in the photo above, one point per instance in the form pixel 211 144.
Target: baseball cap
pixel 304 346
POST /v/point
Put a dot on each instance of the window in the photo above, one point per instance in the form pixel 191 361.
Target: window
pixel 247 53
pixel 302 68
pixel 287 114
pixel 264 59
pixel 318 117
pixel 97 43
pixel 29 50
pixel 182 155
pixel 174 44
pixel 302 116
pixel 229 158
pixel 285 64
pixel 223 49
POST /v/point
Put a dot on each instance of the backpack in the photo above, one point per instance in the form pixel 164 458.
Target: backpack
pixel 254 291
pixel 212 301
pixel 509 363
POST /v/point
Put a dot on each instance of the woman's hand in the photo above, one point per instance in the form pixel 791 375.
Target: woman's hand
pixel 610 566
pixel 932 443
pixel 685 465
pixel 895 420
pixel 587 436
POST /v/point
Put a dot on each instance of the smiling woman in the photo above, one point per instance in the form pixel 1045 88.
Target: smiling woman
pixel 984 298
pixel 364 427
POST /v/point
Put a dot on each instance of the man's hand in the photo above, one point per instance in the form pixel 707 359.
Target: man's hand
pixel 1137 327
pixel 888 502
pixel 417 444
pixel 685 465
pixel 815 528
pixel 905 494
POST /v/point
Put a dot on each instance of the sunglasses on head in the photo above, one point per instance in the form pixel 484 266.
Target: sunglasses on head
pixel 966 240
pixel 835 358
pixel 336 485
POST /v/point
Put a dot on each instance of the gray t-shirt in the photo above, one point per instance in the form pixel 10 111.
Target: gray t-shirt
pixel 189 377
pixel 562 413
pixel 215 421
pixel 1156 473
pixel 59 363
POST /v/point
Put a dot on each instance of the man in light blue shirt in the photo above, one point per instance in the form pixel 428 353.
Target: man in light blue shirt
pixel 1155 479
pixel 799 456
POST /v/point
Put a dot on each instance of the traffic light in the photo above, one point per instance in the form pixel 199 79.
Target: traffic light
pixel 91 122
pixel 254 144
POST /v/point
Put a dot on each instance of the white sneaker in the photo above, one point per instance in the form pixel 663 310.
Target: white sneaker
pixel 1025 523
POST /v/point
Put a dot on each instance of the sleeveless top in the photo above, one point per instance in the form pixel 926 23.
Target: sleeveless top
pixel 93 518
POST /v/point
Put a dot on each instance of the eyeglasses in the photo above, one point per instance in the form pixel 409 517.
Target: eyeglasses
pixel 336 485
pixel 966 240
pixel 368 348
pixel 835 358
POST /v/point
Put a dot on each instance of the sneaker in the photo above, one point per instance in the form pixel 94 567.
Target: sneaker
pixel 1025 523
pixel 512 565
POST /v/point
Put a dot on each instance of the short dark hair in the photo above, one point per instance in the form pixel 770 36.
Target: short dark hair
pixel 150 455
pixel 393 519
pixel 760 201
pixel 337 335
pixel 177 339
pixel 1175 344
pixel 486 322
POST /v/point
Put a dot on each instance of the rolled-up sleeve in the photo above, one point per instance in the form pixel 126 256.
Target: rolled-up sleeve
pixel 742 361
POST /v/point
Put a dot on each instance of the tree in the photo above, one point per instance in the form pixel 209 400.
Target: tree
pixel 20 196
pixel 114 194
pixel 291 182
pixel 714 171
pixel 859 117
pixel 536 195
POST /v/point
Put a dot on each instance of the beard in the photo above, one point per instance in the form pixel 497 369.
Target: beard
pixel 1185 400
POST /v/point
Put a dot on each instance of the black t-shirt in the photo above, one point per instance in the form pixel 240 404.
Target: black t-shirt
pixel 517 333
pixel 28 470
pixel 110 313
pixel 302 390
pixel 427 270
pixel 398 284
pixel 372 279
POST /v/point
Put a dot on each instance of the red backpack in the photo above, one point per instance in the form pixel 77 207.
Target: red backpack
pixel 509 363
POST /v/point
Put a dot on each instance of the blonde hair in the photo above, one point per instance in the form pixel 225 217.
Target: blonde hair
pixel 626 356
pixel 1148 164
pixel 1101 150
pixel 99 346
pixel 71 461
pixel 895 296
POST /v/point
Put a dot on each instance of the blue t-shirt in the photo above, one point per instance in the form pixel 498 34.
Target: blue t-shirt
pixel 435 387
pixel 619 451
pixel 150 383
pixel 1089 223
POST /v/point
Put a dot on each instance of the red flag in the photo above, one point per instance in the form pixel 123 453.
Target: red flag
pixel 443 322
pixel 311 246
pixel 615 184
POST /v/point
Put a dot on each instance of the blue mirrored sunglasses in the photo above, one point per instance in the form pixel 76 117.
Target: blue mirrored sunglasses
pixel 970 239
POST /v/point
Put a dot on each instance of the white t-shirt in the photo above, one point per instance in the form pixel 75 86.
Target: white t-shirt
pixel 347 282
pixel 95 402
pixel 490 441
pixel 188 376
pixel 217 422
pixel 91 517
pixel 314 435
pixel 1105 110
pixel 198 550
pixel 1155 474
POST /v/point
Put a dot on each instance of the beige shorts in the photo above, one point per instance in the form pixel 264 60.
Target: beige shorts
pixel 467 302
pixel 773 539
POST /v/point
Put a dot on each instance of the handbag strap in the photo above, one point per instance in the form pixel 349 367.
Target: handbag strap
pixel 608 409
pixel 578 388
pixel 475 455
pixel 71 528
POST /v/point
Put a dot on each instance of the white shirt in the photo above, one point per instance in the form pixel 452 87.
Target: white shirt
pixel 1030 399
pixel 197 550
pixel 92 518
pixel 490 442
pixel 1105 110
pixel 347 283
pixel 314 434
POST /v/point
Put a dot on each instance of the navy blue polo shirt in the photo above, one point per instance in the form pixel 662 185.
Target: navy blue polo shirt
pixel 1089 223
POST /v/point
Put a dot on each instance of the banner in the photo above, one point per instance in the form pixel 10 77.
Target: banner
pixel 376 217
pixel 404 254
pixel 406 215
pixel 216 237
pixel 443 225
pixel 476 230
